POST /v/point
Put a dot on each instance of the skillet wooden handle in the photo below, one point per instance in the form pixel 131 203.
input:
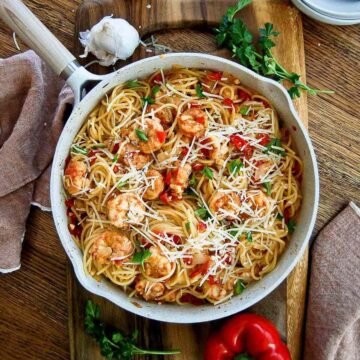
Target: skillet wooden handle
pixel 35 34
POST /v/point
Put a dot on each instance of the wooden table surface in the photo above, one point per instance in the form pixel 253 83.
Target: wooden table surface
pixel 33 300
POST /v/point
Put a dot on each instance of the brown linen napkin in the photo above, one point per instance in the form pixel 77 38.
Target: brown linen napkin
pixel 32 105
pixel 333 314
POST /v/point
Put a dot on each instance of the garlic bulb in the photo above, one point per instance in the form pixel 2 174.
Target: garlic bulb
pixel 109 40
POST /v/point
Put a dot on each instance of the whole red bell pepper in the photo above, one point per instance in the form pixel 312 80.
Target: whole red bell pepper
pixel 246 336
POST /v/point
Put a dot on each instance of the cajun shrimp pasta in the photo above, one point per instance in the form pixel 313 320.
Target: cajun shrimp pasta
pixel 182 187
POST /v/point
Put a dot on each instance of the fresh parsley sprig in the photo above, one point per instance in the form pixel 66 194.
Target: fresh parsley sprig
pixel 233 34
pixel 113 343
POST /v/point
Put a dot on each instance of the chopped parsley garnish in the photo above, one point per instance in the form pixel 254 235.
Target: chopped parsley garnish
pixel 79 150
pixel 199 91
pixel 132 84
pixel 193 181
pixel 148 100
pixel 270 147
pixel 141 135
pixel 249 237
pixel 291 225
pixel 155 89
pixel 233 233
pixel 239 287
pixel 113 343
pixel 121 184
pixel 115 158
pixel 208 172
pixel 235 166
pixel 202 213
pixel 141 256
pixel 189 191
pixel 267 187
pixel 187 226
pixel 244 110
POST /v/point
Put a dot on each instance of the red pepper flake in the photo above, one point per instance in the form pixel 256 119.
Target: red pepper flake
pixel 191 299
pixel 201 226
pixel 115 148
pixel 69 203
pixel 200 120
pixel 243 95
pixel 161 135
pixel 264 139
pixel 198 167
pixel 228 102
pixel 215 76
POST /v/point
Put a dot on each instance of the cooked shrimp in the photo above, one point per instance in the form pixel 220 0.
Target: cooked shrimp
pixel 258 200
pixel 157 265
pixel 192 122
pixel 225 205
pixel 131 155
pixel 153 131
pixel 156 185
pixel 111 246
pixel 217 149
pixel 149 290
pixel 165 115
pixel 125 209
pixel 262 168
pixel 180 179
pixel 75 177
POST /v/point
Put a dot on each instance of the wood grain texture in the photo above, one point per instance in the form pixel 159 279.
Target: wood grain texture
pixel 33 300
pixel 150 16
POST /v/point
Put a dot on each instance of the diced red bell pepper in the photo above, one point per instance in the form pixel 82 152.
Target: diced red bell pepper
pixel 164 197
pixel 212 280
pixel 215 76
pixel 161 135
pixel 204 151
pixel 287 214
pixel 115 149
pixel 264 139
pixel 184 151
pixel 156 79
pixel 243 95
pixel 198 167
pixel 201 226
pixel 228 102
pixel 188 260
pixel 242 145
pixel 69 203
pixel 116 169
pixel 168 178
pixel 200 269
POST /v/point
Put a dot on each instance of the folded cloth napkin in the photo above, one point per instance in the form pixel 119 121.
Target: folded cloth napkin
pixel 333 314
pixel 33 101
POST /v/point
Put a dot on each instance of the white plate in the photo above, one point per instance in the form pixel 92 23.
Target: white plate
pixel 307 10
pixel 340 9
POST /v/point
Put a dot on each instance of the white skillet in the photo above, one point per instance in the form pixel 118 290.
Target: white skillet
pixel 38 37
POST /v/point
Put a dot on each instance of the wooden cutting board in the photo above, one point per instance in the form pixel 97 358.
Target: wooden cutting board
pixel 197 17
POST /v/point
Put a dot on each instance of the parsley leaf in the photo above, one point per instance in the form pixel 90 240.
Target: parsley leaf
pixel 202 213
pixel 98 146
pixel 193 181
pixel 277 143
pixel 208 172
pixel 155 89
pixel 141 135
pixel 267 187
pixel 234 35
pixel 239 287
pixel 249 236
pixel 141 256
pixel 121 184
pixel 79 150
pixel 187 226
pixel 132 84
pixel 112 342
pixel 199 91
pixel 115 158
pixel 244 110
pixel 279 217
pixel 148 100
pixel 235 166
pixel 291 225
